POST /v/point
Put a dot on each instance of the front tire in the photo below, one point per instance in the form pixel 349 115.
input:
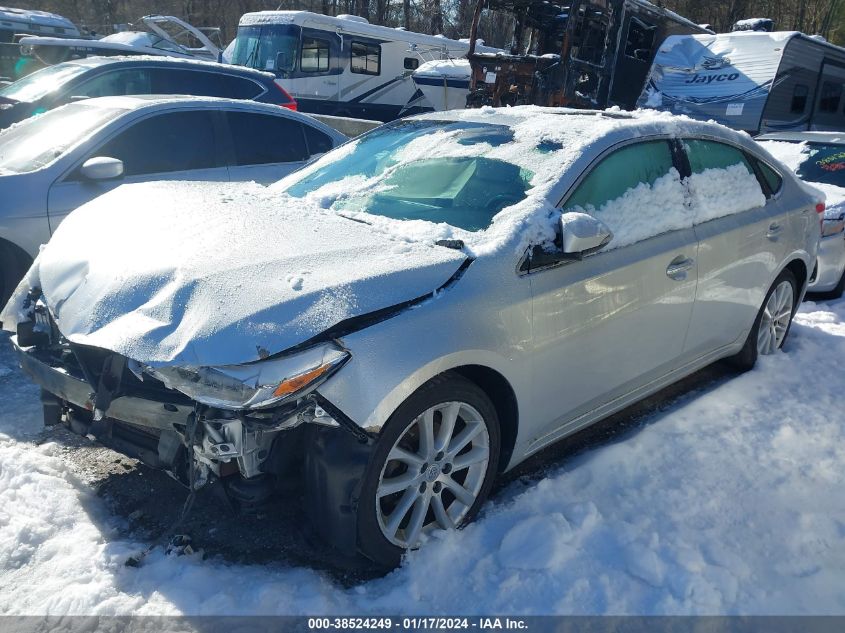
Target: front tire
pixel 432 468
pixel 773 322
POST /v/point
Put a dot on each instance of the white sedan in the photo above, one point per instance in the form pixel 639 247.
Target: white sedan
pixel 818 158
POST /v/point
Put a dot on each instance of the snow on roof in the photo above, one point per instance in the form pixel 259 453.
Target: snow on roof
pixel 163 59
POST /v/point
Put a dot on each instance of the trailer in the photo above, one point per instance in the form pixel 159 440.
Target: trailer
pixel 752 81
pixel 578 53
pixel 341 65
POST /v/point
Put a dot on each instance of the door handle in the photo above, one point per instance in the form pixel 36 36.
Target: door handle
pixel 774 231
pixel 678 268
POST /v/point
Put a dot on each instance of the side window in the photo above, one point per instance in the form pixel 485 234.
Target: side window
pixel 705 155
pixel 202 84
pixel 318 143
pixel 170 142
pixel 260 139
pixel 315 55
pixel 722 182
pixel 640 40
pixel 366 58
pixel 411 63
pixel 799 99
pixel 772 178
pixel 114 83
pixel 623 170
pixel 830 96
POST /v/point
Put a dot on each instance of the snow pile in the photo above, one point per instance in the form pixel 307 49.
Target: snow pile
pixel 720 192
pixel 456 68
pixel 729 501
pixel 645 210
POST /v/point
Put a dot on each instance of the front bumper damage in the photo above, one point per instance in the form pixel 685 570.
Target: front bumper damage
pixel 102 394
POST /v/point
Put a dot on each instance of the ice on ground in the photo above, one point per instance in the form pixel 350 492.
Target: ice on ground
pixel 728 502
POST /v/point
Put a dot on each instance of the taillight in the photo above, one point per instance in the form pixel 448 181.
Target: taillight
pixel 820 207
pixel 291 102
pixel 820 210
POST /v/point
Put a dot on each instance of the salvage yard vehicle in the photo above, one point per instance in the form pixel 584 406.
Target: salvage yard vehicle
pixel 51 164
pixel 414 312
pixel 753 81
pixel 819 159
pixel 116 76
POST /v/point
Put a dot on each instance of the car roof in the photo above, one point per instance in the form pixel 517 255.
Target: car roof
pixel 600 128
pixel 162 61
pixel 835 138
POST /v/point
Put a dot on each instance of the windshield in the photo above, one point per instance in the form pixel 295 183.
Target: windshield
pixel 271 47
pixel 40 83
pixel 41 140
pixel 823 163
pixel 402 171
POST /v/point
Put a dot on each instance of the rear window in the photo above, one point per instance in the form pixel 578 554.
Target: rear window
pixel 203 84
pixel 824 163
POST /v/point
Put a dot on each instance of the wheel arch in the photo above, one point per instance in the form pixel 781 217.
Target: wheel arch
pixel 503 397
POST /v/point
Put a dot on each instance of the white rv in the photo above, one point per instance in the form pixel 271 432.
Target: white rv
pixel 752 81
pixel 341 65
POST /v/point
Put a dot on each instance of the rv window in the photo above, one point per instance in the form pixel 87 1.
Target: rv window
pixel 830 97
pixel 799 98
pixel 315 55
pixel 411 63
pixel 590 33
pixel 640 40
pixel 366 58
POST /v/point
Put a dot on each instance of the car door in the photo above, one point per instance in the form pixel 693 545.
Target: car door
pixel 169 145
pixel 264 147
pixel 610 324
pixel 739 230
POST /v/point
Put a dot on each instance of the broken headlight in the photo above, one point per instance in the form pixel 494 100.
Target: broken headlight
pixel 257 385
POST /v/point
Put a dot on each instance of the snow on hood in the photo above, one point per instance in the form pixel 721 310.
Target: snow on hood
pixel 206 274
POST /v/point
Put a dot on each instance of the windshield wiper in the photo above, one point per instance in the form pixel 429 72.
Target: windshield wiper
pixel 253 55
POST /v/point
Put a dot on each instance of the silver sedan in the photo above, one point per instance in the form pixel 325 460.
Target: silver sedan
pixel 417 311
pixel 51 164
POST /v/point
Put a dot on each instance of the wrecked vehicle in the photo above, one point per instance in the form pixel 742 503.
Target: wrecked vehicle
pixel 583 53
pixel 416 311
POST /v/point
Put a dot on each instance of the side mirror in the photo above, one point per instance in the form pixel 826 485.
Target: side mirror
pixel 582 234
pixel 102 168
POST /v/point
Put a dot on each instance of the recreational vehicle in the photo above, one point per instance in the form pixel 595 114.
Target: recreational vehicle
pixel 752 81
pixel 580 53
pixel 341 65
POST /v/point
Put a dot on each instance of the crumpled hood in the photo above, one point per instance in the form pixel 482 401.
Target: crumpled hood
pixel 207 274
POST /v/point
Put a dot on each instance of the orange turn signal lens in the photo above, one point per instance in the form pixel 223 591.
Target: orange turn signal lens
pixel 296 383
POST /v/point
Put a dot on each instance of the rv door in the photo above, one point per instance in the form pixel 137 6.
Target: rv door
pixel 827 111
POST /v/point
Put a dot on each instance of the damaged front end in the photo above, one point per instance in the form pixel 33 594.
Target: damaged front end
pixel 197 423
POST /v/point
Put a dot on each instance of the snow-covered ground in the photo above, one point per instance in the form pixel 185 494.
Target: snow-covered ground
pixel 729 502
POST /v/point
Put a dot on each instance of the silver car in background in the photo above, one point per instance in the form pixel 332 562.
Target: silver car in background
pixel 53 163
pixel 417 311
pixel 818 158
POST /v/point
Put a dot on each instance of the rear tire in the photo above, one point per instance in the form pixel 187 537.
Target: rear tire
pixel 417 481
pixel 773 322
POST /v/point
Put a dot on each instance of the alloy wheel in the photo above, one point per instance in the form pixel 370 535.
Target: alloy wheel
pixel 433 473
pixel 775 319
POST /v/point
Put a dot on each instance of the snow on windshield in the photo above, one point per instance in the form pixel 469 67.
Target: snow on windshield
pixel 793 156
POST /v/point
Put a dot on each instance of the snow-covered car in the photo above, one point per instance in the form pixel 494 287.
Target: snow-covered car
pixel 418 310
pixel 51 164
pixel 818 158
